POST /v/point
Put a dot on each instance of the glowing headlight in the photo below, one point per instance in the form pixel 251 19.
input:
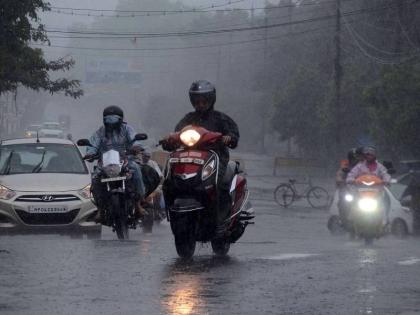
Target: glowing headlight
pixel 112 170
pixel 349 198
pixel 28 134
pixel 6 193
pixel 368 204
pixel 85 192
pixel 190 137
pixel 208 170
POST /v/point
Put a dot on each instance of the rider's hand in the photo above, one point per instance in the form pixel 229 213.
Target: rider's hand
pixel 226 140
pixel 89 157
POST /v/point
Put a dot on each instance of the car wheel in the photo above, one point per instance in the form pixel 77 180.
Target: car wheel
pixel 399 229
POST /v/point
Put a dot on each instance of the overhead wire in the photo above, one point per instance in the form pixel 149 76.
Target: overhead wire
pixel 208 9
pixel 186 47
pixel 218 24
pixel 366 53
pixel 217 31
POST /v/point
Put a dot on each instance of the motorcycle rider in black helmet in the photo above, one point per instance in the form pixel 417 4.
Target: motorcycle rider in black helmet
pixel 203 97
pixel 117 135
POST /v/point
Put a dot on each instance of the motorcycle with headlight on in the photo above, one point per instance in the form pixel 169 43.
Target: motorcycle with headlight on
pixel 368 213
pixel 190 192
pixel 117 195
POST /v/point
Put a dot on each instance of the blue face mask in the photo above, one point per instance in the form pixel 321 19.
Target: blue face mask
pixel 112 119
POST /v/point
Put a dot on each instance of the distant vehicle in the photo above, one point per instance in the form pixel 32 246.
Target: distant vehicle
pixel 64 121
pixel 51 130
pixel 45 187
pixel 399 217
pixel 408 165
pixel 31 130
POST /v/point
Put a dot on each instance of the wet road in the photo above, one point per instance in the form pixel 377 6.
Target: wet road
pixel 285 264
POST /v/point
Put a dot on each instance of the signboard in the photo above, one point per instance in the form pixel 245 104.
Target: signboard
pixel 113 70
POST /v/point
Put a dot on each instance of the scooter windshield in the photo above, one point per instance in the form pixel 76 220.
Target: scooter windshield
pixel 111 157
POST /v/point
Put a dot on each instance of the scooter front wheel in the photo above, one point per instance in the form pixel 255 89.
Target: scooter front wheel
pixel 185 247
pixel 120 219
pixel 182 228
pixel 220 246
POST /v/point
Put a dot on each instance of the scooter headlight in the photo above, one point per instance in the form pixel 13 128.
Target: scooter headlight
pixel 348 197
pixel 208 170
pixel 112 170
pixel 190 137
pixel 368 204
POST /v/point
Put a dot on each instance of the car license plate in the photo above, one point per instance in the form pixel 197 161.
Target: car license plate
pixel 113 179
pixel 47 209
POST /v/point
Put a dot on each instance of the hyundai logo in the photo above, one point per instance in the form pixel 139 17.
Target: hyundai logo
pixel 47 198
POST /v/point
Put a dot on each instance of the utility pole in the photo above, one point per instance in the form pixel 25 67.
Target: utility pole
pixel 267 99
pixel 399 26
pixel 290 20
pixel 338 76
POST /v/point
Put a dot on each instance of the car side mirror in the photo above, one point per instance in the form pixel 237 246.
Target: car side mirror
pixel 390 167
pixel 406 201
pixel 392 171
pixel 140 136
pixel 84 143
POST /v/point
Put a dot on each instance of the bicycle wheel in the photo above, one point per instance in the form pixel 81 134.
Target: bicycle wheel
pixel 284 195
pixel 318 197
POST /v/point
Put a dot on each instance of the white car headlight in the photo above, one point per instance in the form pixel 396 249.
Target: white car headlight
pixel 368 204
pixel 190 137
pixel 349 197
pixel 6 193
pixel 85 192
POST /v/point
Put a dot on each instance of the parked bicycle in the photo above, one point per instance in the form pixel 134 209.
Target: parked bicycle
pixel 286 193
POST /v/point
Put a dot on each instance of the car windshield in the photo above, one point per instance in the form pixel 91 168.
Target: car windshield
pixel 41 158
pixel 51 126
pixel 33 127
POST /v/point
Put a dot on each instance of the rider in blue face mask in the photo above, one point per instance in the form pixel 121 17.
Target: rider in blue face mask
pixel 117 135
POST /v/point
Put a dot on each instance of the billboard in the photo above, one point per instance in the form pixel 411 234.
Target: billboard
pixel 113 71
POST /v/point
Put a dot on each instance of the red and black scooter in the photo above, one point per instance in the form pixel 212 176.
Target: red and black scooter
pixel 190 191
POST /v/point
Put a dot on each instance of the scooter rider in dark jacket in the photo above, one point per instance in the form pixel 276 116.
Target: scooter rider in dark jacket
pixel 203 97
pixel 117 135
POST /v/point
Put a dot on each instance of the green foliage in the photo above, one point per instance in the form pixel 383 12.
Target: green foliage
pixel 394 109
pixel 299 111
pixel 21 64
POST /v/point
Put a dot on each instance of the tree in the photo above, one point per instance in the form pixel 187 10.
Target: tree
pixel 22 65
pixel 394 110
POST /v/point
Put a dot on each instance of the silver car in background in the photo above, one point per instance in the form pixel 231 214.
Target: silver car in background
pixel 45 186
pixel 51 130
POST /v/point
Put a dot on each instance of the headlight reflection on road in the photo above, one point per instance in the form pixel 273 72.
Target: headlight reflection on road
pixel 183 296
pixel 366 278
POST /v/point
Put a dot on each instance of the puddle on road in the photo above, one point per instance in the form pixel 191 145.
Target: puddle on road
pixel 410 261
pixel 289 256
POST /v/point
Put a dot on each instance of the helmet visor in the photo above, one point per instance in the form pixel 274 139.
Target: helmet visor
pixel 112 119
pixel 200 102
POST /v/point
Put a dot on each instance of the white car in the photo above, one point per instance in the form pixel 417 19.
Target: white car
pixel 400 217
pixel 45 186
pixel 51 130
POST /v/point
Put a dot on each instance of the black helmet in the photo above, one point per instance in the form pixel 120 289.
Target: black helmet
pixel 113 117
pixel 203 88
pixel 113 110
